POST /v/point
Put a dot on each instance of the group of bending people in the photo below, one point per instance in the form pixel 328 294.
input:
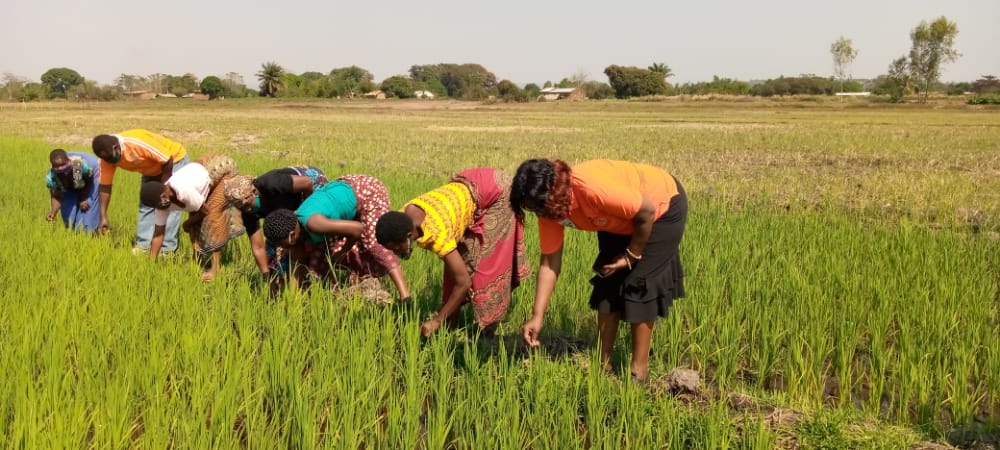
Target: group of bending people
pixel 304 226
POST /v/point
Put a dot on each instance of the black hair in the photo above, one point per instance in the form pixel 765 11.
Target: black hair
pixel 57 154
pixel 392 228
pixel 149 193
pixel 279 224
pixel 532 182
pixel 102 145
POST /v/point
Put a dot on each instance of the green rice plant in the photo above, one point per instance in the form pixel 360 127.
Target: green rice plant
pixel 635 420
pixel 826 431
pixel 440 410
pixel 755 434
pixel 711 429
pixel 598 411
pixel 405 410
pixel 552 395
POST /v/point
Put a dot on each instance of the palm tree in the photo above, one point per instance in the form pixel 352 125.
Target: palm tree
pixel 661 68
pixel 271 78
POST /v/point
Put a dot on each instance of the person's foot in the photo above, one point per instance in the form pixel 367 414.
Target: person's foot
pixel 640 381
pixel 608 368
pixel 640 376
pixel 208 276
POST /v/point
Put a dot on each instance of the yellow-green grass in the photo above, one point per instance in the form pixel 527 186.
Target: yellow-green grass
pixel 842 269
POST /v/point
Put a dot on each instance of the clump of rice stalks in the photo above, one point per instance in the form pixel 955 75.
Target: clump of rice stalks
pixel 369 289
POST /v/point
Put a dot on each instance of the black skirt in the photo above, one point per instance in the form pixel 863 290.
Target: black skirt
pixel 649 289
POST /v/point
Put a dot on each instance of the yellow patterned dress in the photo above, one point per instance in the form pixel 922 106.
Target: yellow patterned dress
pixel 472 215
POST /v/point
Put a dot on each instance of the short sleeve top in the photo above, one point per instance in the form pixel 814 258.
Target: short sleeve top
pixel 335 200
pixel 449 212
pixel 607 195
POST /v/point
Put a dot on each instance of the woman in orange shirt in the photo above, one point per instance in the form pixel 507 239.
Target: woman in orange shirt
pixel 638 212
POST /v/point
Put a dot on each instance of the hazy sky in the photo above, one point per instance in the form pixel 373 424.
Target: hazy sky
pixel 524 41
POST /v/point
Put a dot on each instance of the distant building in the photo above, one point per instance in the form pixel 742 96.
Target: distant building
pixel 424 94
pixel 377 94
pixel 553 93
pixel 139 95
pixel 196 96
pixel 853 94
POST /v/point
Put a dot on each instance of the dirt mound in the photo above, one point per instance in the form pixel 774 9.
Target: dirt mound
pixel 742 402
pixel 783 418
pixel 679 382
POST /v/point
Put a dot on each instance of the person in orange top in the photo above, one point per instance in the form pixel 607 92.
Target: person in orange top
pixel 639 212
pixel 155 158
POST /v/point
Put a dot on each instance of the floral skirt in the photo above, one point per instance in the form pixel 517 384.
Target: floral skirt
pixel 367 258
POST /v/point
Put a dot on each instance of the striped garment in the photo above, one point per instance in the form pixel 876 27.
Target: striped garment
pixel 142 151
pixel 450 210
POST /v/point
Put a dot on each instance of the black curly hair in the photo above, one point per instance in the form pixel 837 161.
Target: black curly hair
pixel 150 192
pixel 58 155
pixel 392 228
pixel 102 145
pixel 543 186
pixel 279 224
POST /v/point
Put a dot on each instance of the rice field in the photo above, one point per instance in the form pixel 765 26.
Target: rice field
pixel 842 262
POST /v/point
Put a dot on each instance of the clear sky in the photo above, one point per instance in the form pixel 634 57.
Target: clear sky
pixel 524 41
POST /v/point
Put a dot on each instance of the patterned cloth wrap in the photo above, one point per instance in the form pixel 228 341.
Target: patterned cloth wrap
pixel 490 239
pixel 367 258
pixel 218 221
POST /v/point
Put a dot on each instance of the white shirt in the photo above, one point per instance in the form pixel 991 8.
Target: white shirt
pixel 191 185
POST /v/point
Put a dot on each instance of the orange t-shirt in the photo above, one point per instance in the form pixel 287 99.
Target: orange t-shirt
pixel 607 195
pixel 144 152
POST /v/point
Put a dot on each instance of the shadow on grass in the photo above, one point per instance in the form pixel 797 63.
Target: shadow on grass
pixel 511 348
pixel 976 435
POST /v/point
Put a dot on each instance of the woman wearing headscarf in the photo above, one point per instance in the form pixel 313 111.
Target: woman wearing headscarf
pixel 73 191
pixel 469 224
pixel 284 188
pixel 639 213
pixel 335 227
pixel 212 220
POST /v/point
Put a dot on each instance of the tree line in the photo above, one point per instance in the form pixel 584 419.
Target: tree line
pixel 916 73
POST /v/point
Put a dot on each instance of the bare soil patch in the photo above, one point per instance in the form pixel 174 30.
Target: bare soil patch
pixel 505 129
pixel 930 446
pixel 71 139
pixel 708 126
pixel 245 139
pixel 185 137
